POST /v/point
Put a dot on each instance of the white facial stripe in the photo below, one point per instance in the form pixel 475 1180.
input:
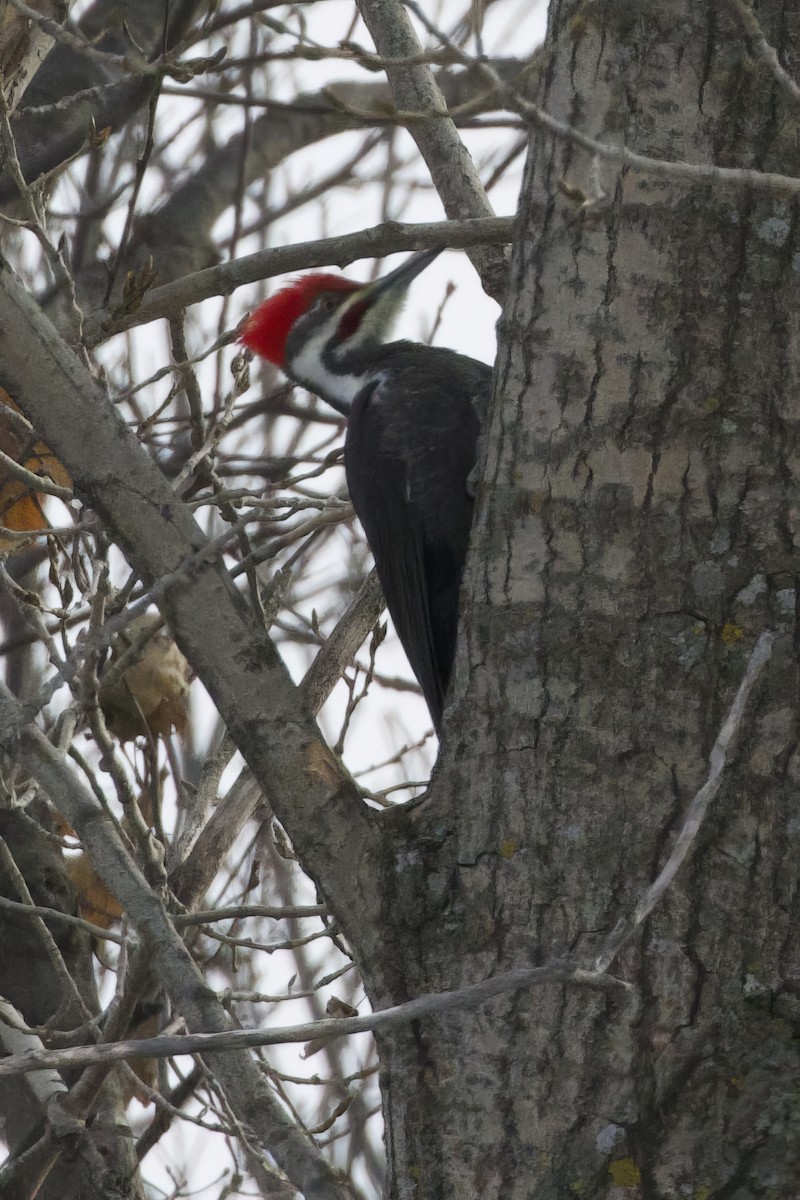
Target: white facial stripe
pixel 308 367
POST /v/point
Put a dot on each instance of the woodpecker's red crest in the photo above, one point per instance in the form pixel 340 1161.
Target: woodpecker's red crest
pixel 269 326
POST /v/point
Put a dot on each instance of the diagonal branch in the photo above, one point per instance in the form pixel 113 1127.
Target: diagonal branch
pixel 335 835
pixel 447 158
pixel 717 760
pixel 193 876
pixel 248 1092
pixel 762 47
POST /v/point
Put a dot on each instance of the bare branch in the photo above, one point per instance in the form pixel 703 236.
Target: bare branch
pixel 264 712
pixel 133 62
pixel 194 875
pixel 239 911
pixel 18 1041
pixel 243 1082
pixel 54 914
pixel 389 238
pixel 37 483
pixel 677 170
pixel 33 47
pixel 557 972
pixel 448 160
pixel 340 648
pixel 765 51
pixel 60 970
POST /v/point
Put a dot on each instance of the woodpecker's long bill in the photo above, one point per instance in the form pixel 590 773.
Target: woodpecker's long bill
pixel 414 414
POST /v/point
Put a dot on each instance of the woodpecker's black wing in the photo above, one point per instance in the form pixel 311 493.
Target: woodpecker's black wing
pixel 412 441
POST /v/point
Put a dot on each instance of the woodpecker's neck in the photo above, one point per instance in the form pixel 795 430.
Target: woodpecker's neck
pixel 336 373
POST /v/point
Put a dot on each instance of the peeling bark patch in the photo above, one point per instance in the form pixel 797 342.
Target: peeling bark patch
pixel 322 765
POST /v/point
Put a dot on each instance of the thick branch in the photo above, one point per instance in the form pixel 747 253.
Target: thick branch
pixel 447 158
pixel 247 1090
pixel 47 136
pixel 332 830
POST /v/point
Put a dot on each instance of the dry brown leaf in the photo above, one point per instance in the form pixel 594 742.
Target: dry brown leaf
pixel 95 902
pixel 20 506
pixel 314 1047
pixel 150 695
pixel 334 1008
pixel 340 1008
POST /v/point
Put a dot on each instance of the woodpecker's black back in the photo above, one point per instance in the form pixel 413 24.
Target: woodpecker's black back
pixel 412 443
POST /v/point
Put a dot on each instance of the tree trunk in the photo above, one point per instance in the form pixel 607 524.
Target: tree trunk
pixel 636 533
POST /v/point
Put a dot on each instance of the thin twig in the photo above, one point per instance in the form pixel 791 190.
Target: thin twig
pixel 239 911
pixel 53 914
pixel 624 930
pixel 60 970
pixel 765 51
pixel 37 483
pixel 130 62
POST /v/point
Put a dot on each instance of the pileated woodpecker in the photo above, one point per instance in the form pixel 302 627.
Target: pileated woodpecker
pixel 414 417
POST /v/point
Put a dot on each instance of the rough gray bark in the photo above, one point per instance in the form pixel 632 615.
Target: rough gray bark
pixel 637 531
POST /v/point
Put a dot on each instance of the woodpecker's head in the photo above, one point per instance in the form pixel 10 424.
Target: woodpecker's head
pixel 318 328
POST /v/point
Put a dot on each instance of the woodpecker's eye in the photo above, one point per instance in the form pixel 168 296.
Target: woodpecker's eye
pixel 326 304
